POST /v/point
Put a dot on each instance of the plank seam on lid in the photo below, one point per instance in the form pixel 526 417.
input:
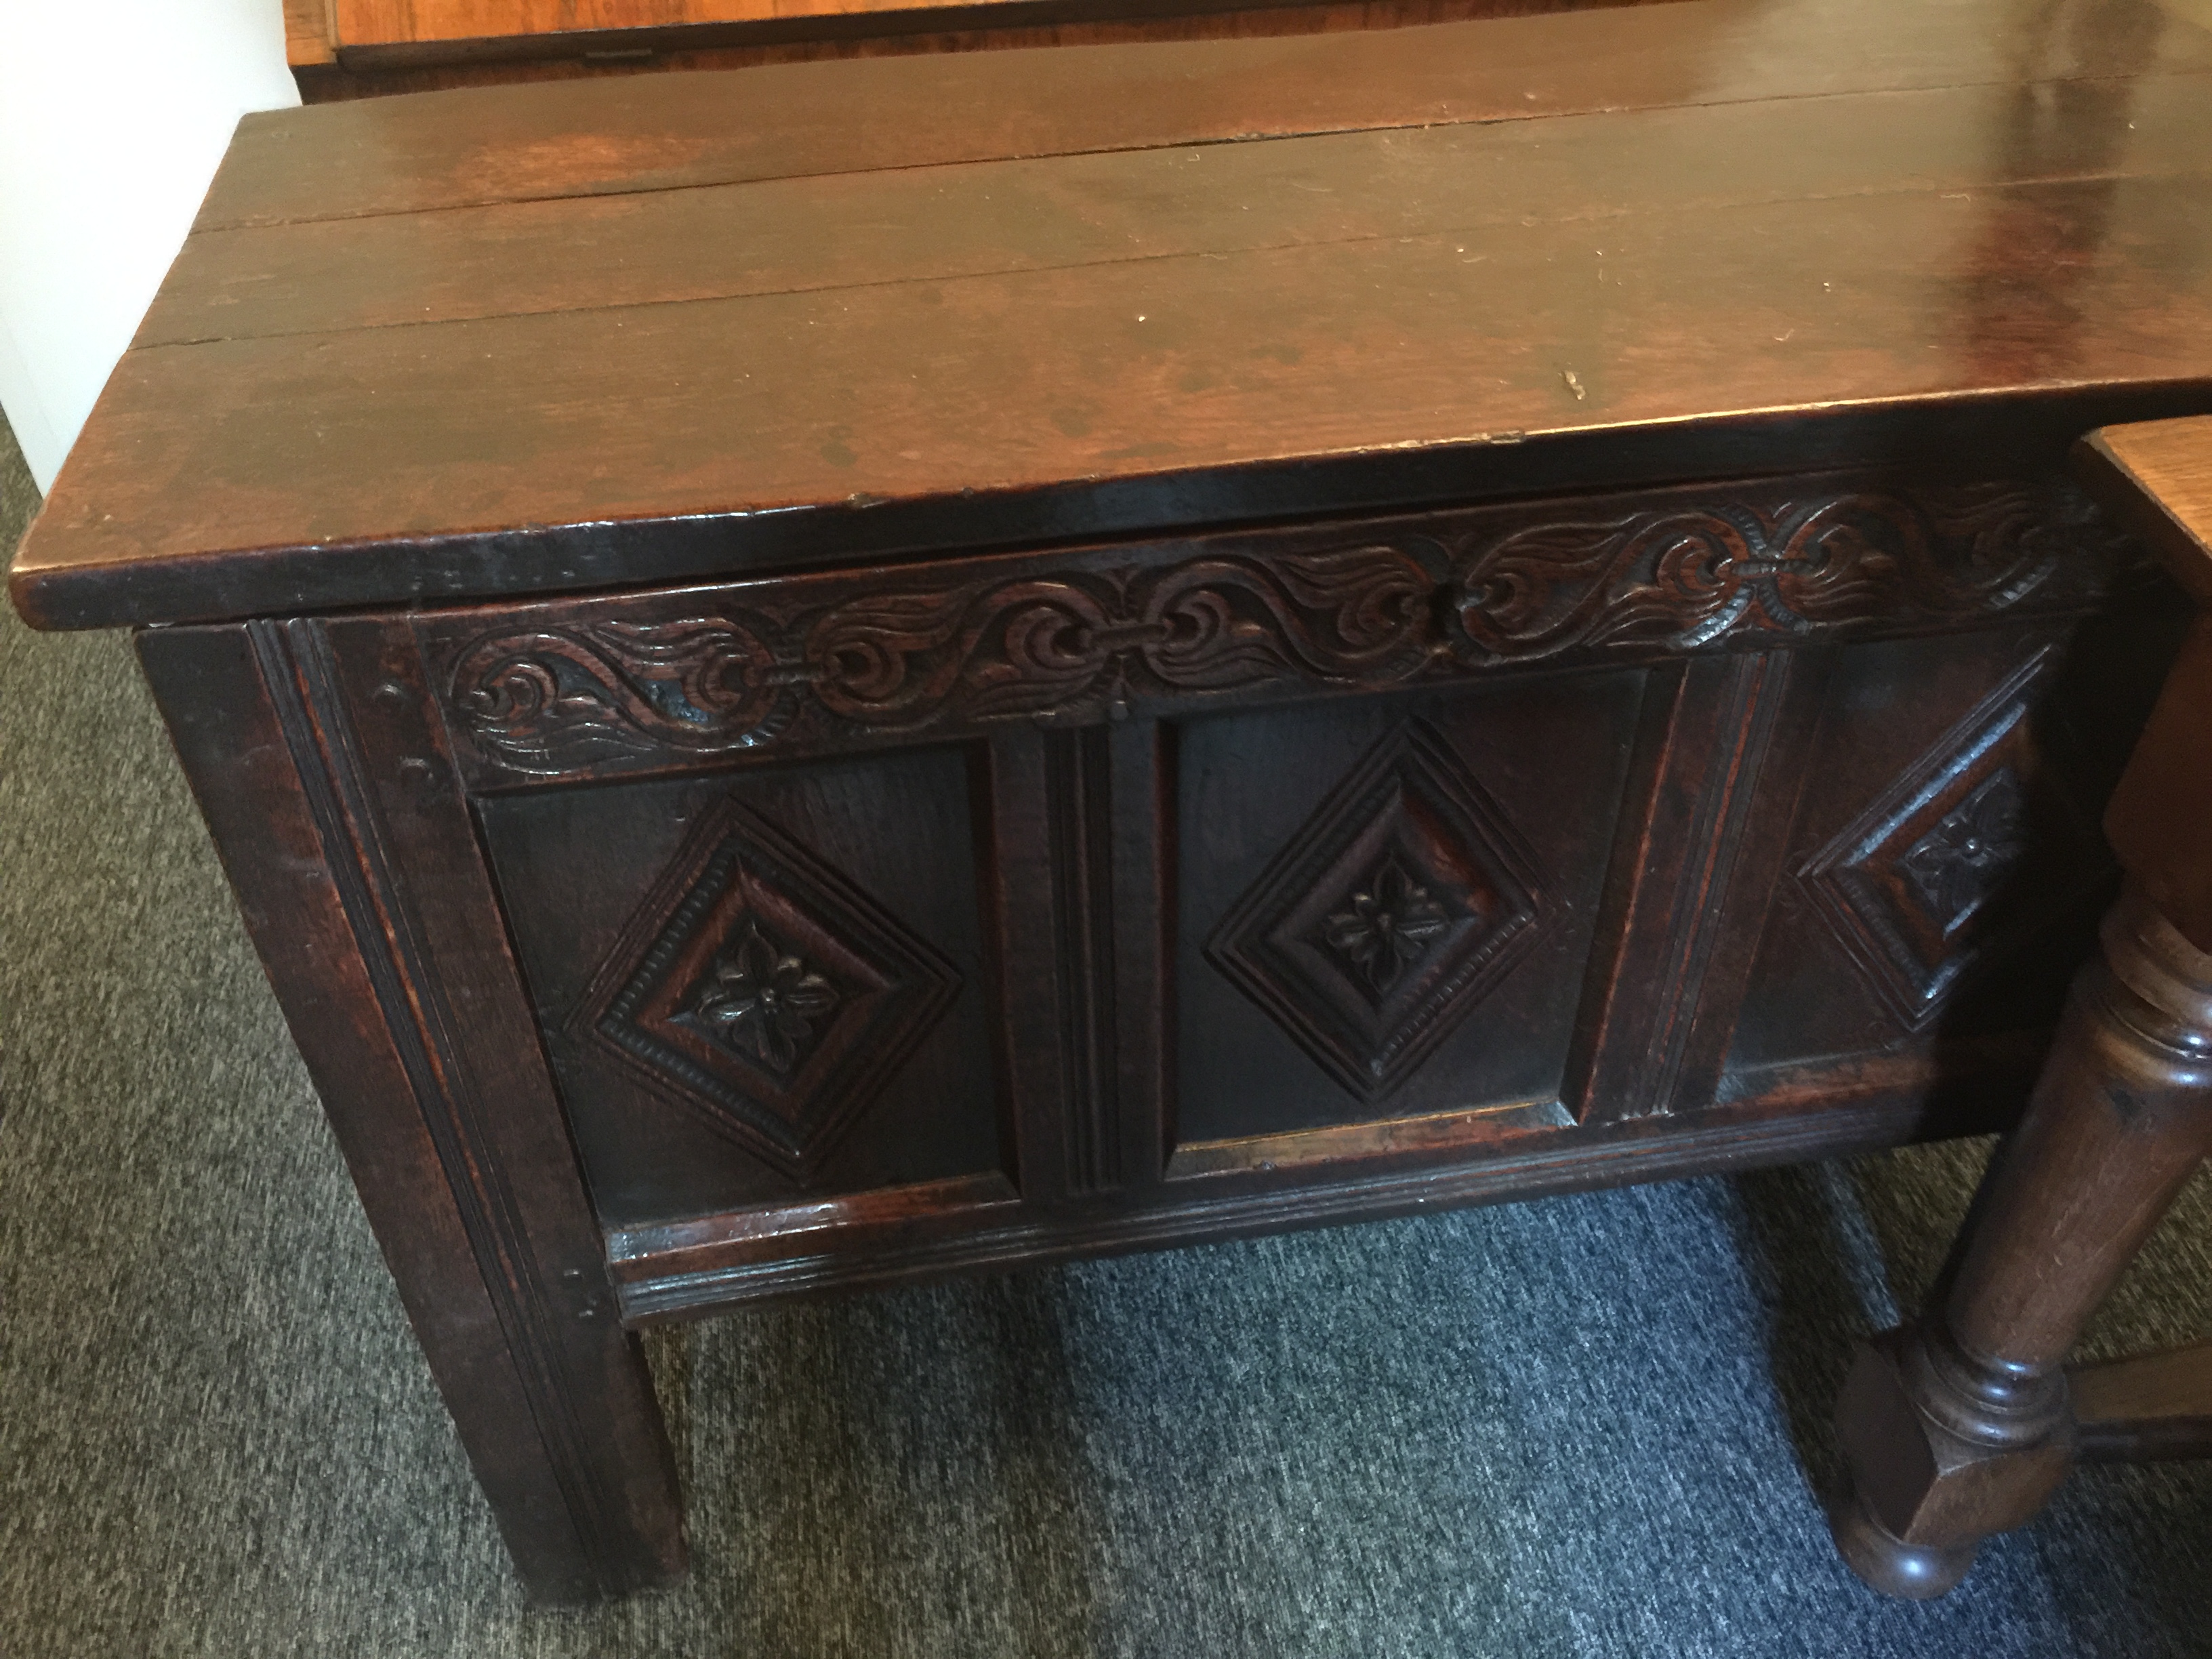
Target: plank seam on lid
pixel 951 163
pixel 1252 250
pixel 1234 61
pixel 956 278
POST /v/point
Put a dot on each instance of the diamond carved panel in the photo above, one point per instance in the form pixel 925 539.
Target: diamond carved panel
pixel 764 991
pixel 1387 916
pixel 1971 851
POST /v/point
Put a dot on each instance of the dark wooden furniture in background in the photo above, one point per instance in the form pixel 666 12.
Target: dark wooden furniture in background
pixel 1961 1425
pixel 1151 642
pixel 340 49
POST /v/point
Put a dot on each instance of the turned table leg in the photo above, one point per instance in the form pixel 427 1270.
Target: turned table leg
pixel 1959 1427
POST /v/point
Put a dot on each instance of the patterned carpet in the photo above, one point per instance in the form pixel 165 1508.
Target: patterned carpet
pixel 1582 1426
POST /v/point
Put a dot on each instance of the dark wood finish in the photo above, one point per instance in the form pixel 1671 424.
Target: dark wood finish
pixel 862 871
pixel 1012 680
pixel 2157 818
pixel 1665 987
pixel 1960 1426
pixel 2147 1409
pixel 695 1267
pixel 717 241
pixel 620 134
pixel 1108 395
pixel 405 1005
pixel 692 679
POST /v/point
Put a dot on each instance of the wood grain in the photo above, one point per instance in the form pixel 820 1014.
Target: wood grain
pixel 624 133
pixel 307 37
pixel 449 1125
pixel 2156 478
pixel 1104 399
pixel 714 1264
pixel 607 25
pixel 990 26
pixel 678 382
pixel 2156 821
pixel 2151 1406
pixel 991 218
pixel 1682 921
pixel 508 26
pixel 1520 628
pixel 362 22
pixel 1958 1427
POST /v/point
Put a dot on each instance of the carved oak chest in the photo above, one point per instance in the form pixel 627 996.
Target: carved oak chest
pixel 796 703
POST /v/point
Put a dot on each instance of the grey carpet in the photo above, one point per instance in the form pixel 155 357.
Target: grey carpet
pixel 1582 1427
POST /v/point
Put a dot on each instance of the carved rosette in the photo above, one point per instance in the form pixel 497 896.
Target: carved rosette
pixel 762 1000
pixel 1389 916
pixel 763 990
pixel 1387 926
pixel 1957 867
pixel 1966 854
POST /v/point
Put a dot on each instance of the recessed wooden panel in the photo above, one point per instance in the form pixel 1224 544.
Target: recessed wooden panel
pixel 759 985
pixel 1945 871
pixel 1385 908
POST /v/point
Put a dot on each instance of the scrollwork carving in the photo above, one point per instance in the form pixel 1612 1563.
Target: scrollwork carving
pixel 560 697
pixel 552 699
pixel 1685 579
pixel 844 655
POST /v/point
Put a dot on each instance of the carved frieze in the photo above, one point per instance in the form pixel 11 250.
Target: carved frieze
pixel 570 687
pixel 1766 570
pixel 904 658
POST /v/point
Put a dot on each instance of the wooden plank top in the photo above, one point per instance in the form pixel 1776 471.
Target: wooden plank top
pixel 531 338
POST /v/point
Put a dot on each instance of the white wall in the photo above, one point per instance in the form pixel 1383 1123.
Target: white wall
pixel 112 117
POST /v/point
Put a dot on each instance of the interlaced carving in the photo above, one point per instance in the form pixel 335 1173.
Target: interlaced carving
pixel 906 658
pixel 1793 567
pixel 859 655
